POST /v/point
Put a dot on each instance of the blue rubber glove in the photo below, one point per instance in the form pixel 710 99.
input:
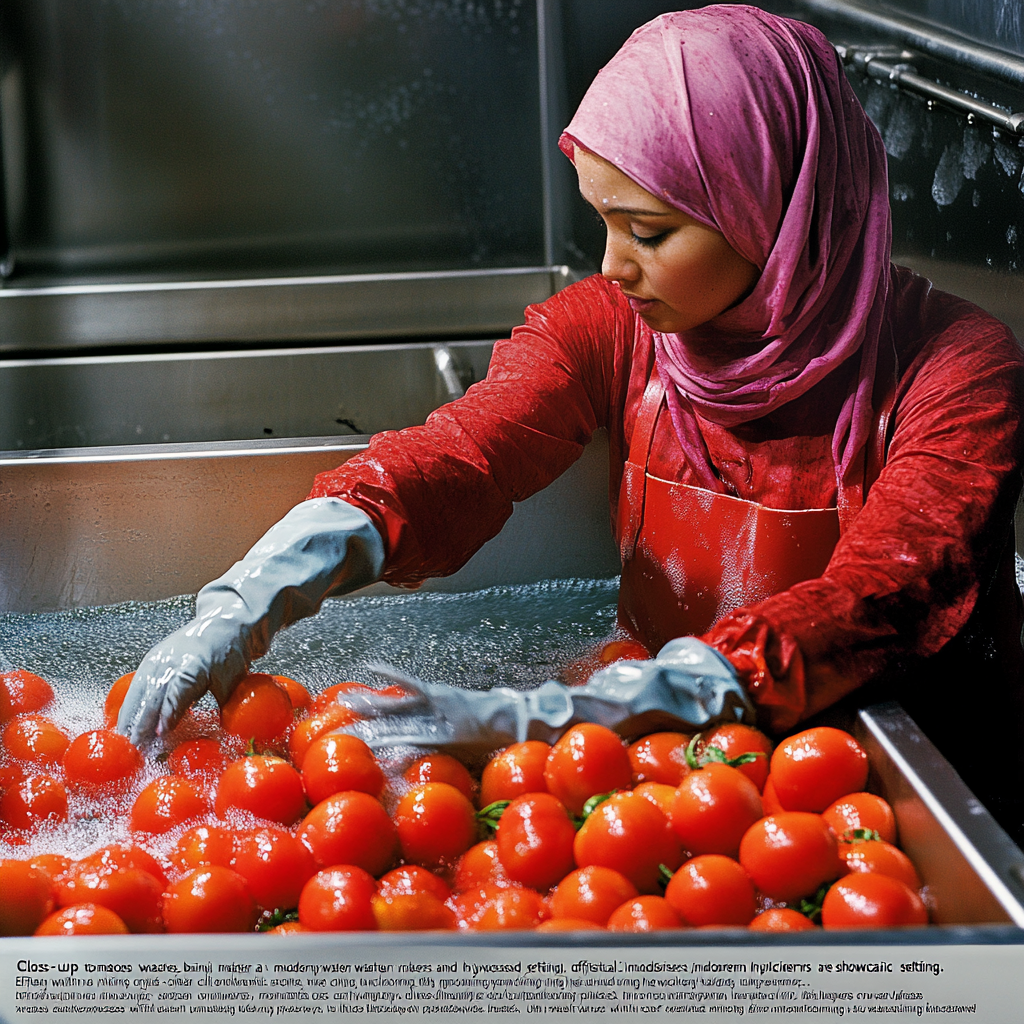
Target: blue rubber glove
pixel 688 686
pixel 322 548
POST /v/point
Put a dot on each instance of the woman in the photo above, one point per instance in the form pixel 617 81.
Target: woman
pixel 815 456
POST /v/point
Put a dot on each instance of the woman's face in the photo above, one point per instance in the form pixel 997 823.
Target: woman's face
pixel 676 272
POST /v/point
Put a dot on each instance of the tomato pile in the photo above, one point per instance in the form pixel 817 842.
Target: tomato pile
pixel 264 818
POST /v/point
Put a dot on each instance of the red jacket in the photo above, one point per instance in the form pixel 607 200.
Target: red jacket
pixel 927 560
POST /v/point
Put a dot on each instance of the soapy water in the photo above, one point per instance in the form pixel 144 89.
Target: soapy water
pixel 516 636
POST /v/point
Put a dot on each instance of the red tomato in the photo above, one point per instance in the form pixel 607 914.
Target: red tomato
pixel 22 692
pixel 587 760
pixel 411 911
pixel 101 762
pixel 660 757
pixel 659 794
pixel 872 901
pixel 412 878
pixel 114 857
pixel 712 809
pixel 882 858
pixel 770 799
pixel 591 894
pixel 55 864
pixel 441 768
pixel 470 903
pixel 27 897
pixel 514 771
pixel 535 839
pixel 331 696
pixel 351 828
pixel 568 924
pixel 201 760
pixel 209 899
pixel 275 866
pixel 34 739
pixel 115 698
pixel 480 866
pixel 166 803
pixel 268 787
pixel 436 825
pixel 782 919
pixel 630 835
pixel 134 895
pixel 644 914
pixel 790 855
pixel 35 801
pixel 298 695
pixel 512 909
pixel 816 767
pixel 202 845
pixel 734 740
pixel 337 763
pixel 287 928
pixel 338 899
pixel 83 919
pixel 259 709
pixel 861 811
pixel 332 717
pixel 712 889
pixel 623 650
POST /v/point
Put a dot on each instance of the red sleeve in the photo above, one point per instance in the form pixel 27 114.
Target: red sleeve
pixel 906 576
pixel 440 491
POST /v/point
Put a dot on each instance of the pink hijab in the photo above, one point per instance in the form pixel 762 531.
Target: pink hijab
pixel 746 122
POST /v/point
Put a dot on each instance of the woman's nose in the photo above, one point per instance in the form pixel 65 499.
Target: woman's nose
pixel 618 263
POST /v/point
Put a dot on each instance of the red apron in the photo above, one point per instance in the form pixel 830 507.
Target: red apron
pixel 691 556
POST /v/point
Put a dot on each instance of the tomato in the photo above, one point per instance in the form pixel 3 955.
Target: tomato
pixel 587 760
pixel 134 895
pixel 591 894
pixel 881 857
pixel 56 865
pixel 22 692
pixel 661 795
pixel 790 855
pixel 782 919
pixel 568 924
pixel 712 809
pixel 83 919
pixel 259 709
pixel 630 835
pixel 336 763
pixel 871 900
pixel 34 739
pixel 644 914
pixel 660 757
pixel 209 899
pixel 412 878
pixel 351 828
pixel 35 801
pixel 712 889
pixel 101 762
pixel 166 803
pixel 204 844
pixel 535 839
pixel 436 824
pixel 411 911
pixel 275 866
pixel 770 799
pixel 201 760
pixel 113 857
pixel 816 767
pixel 332 717
pixel 861 811
pixel 333 695
pixel 338 899
pixel 511 909
pixel 287 928
pixel 298 695
pixel 469 904
pixel 115 698
pixel 734 739
pixel 441 768
pixel 27 897
pixel 268 787
pixel 516 770
pixel 623 650
pixel 480 866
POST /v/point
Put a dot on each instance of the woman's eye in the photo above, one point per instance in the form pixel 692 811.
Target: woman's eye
pixel 649 241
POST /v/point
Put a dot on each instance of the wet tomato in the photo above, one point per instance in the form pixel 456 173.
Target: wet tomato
pixel 35 801
pixel 203 845
pixel 782 919
pixel 351 828
pixel 535 840
pixel 114 700
pixel 287 928
pixel 661 795
pixel 101 762
pixel 298 695
pixel 512 909
pixel 436 825
pixel 55 864
pixel 883 858
pixel 770 799
pixel 83 919
pixel 568 924
pixel 814 768
pixel 268 787
pixel 644 914
pixel 412 878
pixel 480 865
pixel 660 757
pixel 22 692
pixel 35 740
pixel 332 717
pixel 336 693
pixel 872 901
pixel 861 811
pixel 411 911
pixel 623 650
pixel 27 897
pixel 201 760
pixel 712 890
pixel 338 899
pixel 712 809
pixel 134 895
pixel 117 856
pixel 630 835
pixel 516 770
pixel 166 803
pixel 209 899
pixel 587 760
pixel 275 866
pixel 441 768
pixel 259 709
pixel 590 894
pixel 790 855
pixel 337 763
pixel 734 740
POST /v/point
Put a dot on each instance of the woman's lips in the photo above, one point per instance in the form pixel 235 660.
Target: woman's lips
pixel 641 305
